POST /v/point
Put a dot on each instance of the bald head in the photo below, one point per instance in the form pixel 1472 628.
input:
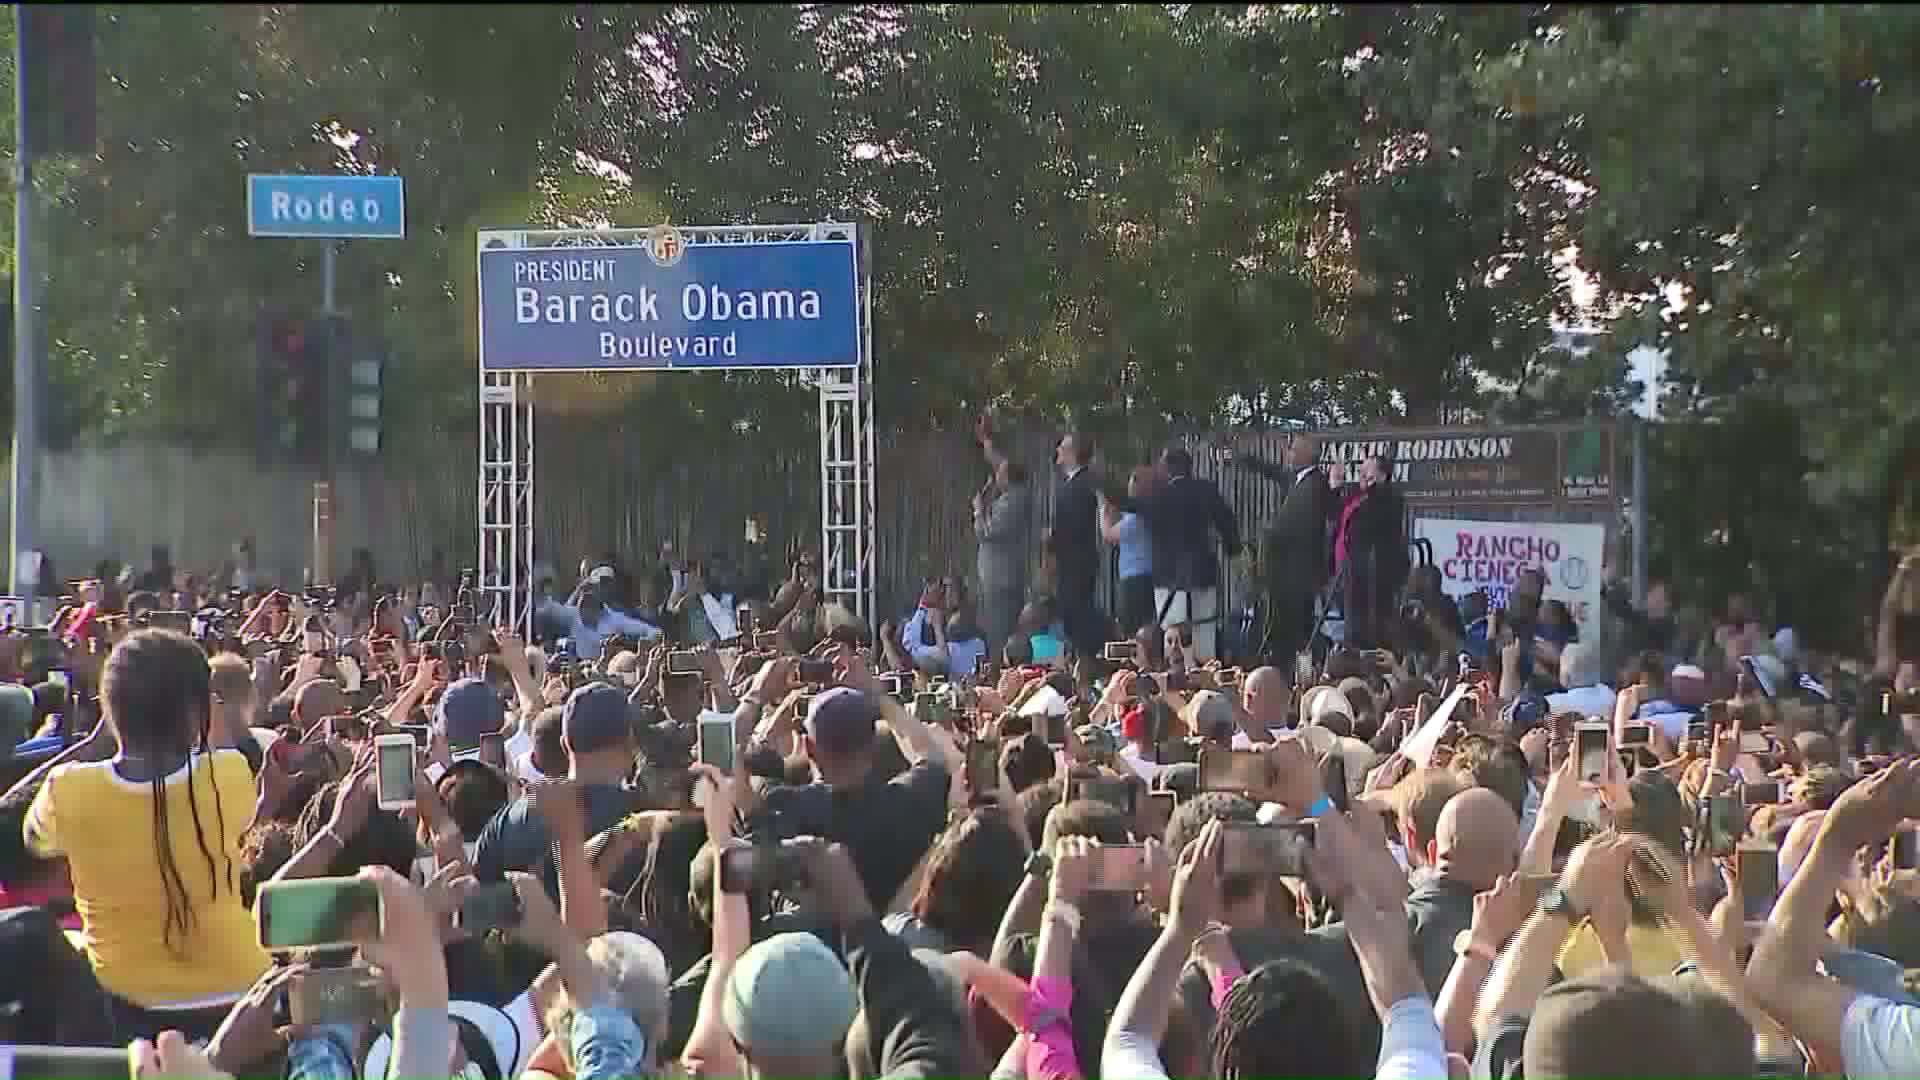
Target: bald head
pixel 1478 837
pixel 1265 695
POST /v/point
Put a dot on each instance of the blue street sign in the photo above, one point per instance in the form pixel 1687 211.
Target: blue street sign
pixel 668 304
pixel 333 206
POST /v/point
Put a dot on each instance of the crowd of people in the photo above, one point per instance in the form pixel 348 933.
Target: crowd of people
pixel 706 823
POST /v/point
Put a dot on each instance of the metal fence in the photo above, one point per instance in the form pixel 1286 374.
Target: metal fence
pixel 597 493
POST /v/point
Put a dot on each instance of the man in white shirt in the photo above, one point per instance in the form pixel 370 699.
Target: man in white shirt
pixel 1587 692
pixel 591 623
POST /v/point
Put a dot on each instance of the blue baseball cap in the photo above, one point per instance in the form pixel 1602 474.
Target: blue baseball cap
pixel 595 718
pixel 468 710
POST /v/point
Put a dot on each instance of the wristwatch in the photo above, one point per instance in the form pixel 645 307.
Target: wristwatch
pixel 1556 902
pixel 1464 945
pixel 1039 866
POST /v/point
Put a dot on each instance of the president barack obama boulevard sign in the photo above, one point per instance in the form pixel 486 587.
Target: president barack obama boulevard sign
pixel 667 303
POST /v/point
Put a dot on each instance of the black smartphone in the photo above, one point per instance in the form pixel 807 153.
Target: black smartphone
pixel 1761 792
pixel 1231 770
pixel 983 766
pixel 1333 777
pixel 1280 848
pixel 814 672
pixel 490 906
pixel 683 662
pixel 1636 734
pixel 1721 823
pixel 766 641
pixel 1906 849
pixel 1759 872
pixel 1160 808
pixel 1118 652
pixel 756 868
pixel 1112 790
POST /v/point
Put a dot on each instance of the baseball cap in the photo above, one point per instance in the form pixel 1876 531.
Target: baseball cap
pixel 789 994
pixel 842 720
pixel 1209 713
pixel 468 710
pixel 595 718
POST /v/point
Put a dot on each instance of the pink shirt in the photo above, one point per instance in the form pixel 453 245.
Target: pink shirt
pixel 1049 1033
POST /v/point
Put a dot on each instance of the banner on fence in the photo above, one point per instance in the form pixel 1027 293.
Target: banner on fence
pixel 1474 555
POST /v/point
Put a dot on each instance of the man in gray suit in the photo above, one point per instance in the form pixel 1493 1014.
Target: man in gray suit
pixel 1002 511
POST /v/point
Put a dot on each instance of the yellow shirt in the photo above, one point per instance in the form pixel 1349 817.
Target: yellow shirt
pixel 1655 952
pixel 103 824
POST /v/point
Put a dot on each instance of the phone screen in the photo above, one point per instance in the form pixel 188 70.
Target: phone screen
pixel 1280 848
pixel 65 1063
pixel 1724 823
pixel 716 743
pixel 1636 734
pixel 1114 792
pixel 1231 770
pixel 983 765
pixel 393 772
pixel 683 662
pixel 1762 792
pixel 1160 807
pixel 1906 849
pixel 1759 870
pixel 308 913
pixel 1120 868
pixel 1591 744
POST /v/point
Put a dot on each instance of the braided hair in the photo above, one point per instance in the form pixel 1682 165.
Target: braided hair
pixel 158 694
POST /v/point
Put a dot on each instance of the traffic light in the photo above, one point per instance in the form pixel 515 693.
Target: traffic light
pixel 293 389
pixel 366 367
pixel 56 42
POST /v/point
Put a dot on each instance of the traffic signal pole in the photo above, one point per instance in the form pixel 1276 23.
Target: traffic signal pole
pixel 323 488
pixel 24 569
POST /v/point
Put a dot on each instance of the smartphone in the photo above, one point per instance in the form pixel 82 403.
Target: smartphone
pixel 1159 811
pixel 493 905
pixel 393 768
pixel 1280 848
pixel 814 672
pixel 419 733
pixel 493 750
pixel 1112 790
pixel 1595 757
pixel 766 641
pixel 1906 849
pixel 756 868
pixel 1118 652
pixel 66 1063
pixel 716 743
pixel 743 619
pixel 683 662
pixel 318 913
pixel 983 766
pixel 170 620
pixel 1231 770
pixel 1054 729
pixel 1636 734
pixel 1761 792
pixel 1119 868
pixel 338 995
pixel 1721 824
pixel 1759 872
pixel 1699 730
pixel 1754 742
pixel 925 704
pixel 297 758
pixel 982 667
pixel 1333 777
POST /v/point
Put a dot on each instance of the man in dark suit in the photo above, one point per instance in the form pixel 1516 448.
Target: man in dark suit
pixel 1182 515
pixel 1076 542
pixel 1074 537
pixel 1296 552
pixel 1371 543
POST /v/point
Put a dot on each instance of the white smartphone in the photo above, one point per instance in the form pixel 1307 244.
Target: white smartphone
pixel 1591 742
pixel 393 771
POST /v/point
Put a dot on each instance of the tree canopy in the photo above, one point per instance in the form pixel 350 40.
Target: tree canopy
pixel 1182 214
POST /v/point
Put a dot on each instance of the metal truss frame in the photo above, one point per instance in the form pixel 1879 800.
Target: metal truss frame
pixel 506 540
